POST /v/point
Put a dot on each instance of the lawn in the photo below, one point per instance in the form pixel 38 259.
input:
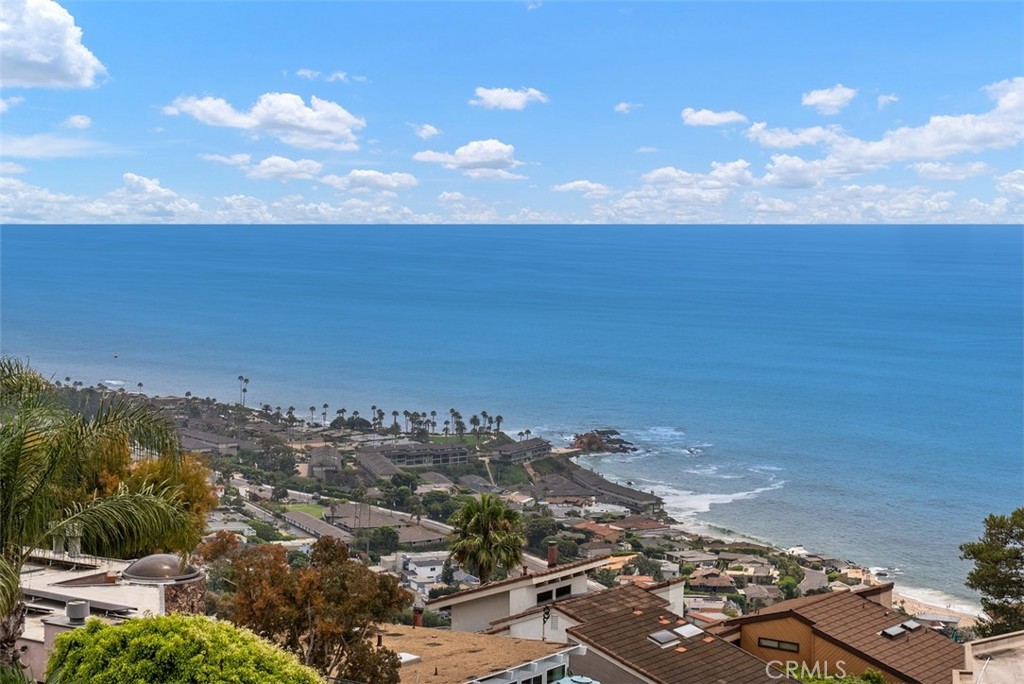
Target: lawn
pixel 314 510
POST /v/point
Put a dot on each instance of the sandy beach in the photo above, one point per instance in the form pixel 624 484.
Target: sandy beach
pixel 916 607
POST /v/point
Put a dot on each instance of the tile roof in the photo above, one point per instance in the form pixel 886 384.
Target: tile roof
pixel 852 620
pixel 702 659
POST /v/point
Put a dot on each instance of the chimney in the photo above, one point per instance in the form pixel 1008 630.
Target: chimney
pixel 552 553
pixel 77 611
pixel 526 570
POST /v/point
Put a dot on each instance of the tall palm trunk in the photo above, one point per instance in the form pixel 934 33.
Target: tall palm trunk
pixel 11 627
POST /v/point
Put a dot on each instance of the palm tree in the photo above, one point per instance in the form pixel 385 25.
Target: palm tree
pixel 312 415
pixel 45 450
pixel 527 433
pixel 488 535
pixel 325 414
pixel 498 420
pixel 240 386
pixel 245 389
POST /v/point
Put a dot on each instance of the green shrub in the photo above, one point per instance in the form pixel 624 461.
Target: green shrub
pixel 171 649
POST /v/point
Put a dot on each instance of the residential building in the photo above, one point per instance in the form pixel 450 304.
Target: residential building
pixel 698 559
pixel 610 492
pixel 517 452
pixel 631 636
pixel 416 455
pixel 376 465
pixel 995 660
pixel 446 657
pixel 850 630
pixel 712 581
pixel 473 610
pixel 315 526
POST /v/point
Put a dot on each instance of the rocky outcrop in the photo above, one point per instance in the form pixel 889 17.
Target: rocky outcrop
pixel 606 440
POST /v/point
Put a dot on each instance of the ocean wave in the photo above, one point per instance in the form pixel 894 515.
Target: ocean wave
pixel 113 382
pixel 685 504
pixel 664 432
pixel 939 599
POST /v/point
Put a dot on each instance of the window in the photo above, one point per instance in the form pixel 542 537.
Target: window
pixel 556 674
pixel 788 646
pixel 544 596
pixel 563 591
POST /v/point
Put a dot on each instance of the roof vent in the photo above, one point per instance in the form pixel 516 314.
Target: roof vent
pixel 77 611
pixel 664 638
pixel 687 631
pixel 893 632
pixel 910 625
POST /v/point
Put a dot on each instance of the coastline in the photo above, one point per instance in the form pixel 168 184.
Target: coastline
pixel 913 600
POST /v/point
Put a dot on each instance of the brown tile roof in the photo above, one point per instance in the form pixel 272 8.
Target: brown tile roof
pixel 701 659
pixel 525 580
pixel 640 522
pixel 852 620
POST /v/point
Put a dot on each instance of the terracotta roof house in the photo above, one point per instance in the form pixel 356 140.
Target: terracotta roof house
pixel 641 522
pixel 605 532
pixel 851 630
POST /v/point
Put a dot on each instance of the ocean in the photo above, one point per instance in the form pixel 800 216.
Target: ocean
pixel 856 390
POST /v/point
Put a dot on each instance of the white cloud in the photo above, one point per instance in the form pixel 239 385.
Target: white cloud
pixel 8 102
pixel 451 197
pixel 308 74
pixel 477 159
pixel 340 76
pixel 829 100
pixel 284 169
pixel 941 171
pixel 886 100
pixel 141 200
pixel 757 202
pixel 783 137
pixel 627 107
pixel 80 121
pixel 646 150
pixel 273 167
pixel 41 47
pixel 10 168
pixel 1011 183
pixel 322 125
pixel 533 4
pixel 366 179
pixel 706 117
pixel 590 189
pixel 49 146
pixel 425 131
pixel 942 136
pixel 789 171
pixel 233 160
pixel 506 98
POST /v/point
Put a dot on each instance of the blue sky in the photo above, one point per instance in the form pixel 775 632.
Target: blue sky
pixel 493 112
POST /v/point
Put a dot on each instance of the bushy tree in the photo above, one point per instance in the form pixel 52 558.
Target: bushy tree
pixel 171 649
pixel 322 612
pixel 999 572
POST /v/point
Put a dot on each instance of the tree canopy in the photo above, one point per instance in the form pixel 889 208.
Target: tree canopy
pixel 488 536
pixel 323 611
pixel 53 488
pixel 171 649
pixel 999 572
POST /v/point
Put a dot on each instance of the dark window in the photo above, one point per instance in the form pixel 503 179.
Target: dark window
pixel 789 646
pixel 544 596
pixel 563 591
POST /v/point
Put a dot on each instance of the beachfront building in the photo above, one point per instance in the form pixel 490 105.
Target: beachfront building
pixel 473 610
pixel 851 632
pixel 416 455
pixel 518 452
pixel 610 492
